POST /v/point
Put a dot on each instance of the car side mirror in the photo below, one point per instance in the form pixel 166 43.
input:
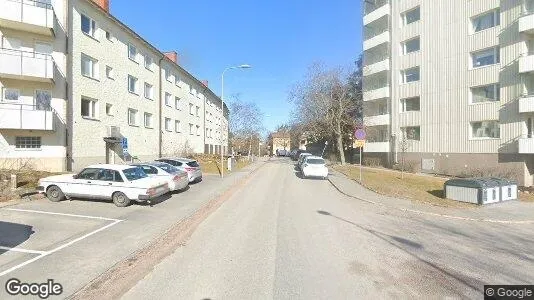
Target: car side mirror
pixel 75 176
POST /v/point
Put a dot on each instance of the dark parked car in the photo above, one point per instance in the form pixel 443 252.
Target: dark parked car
pixel 295 155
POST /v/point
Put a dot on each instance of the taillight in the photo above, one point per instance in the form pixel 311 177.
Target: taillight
pixel 151 191
pixel 177 178
pixel 189 169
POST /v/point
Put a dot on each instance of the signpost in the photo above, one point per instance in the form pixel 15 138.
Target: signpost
pixel 360 135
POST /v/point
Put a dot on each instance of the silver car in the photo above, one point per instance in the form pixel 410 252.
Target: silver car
pixel 190 166
pixel 177 179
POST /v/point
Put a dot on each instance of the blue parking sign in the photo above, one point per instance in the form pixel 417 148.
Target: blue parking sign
pixel 124 143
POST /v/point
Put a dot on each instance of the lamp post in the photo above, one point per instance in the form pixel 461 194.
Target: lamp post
pixel 222 111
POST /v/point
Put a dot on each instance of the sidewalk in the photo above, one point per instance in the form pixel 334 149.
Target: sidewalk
pixel 505 212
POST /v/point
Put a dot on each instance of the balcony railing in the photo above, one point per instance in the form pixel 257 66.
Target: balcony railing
pixel 375 12
pixel 376 146
pixel 26 117
pixel 376 40
pixel 376 67
pixel 26 65
pixel 526 63
pixel 526 104
pixel 379 93
pixel 38 16
pixel 526 22
pixel 376 120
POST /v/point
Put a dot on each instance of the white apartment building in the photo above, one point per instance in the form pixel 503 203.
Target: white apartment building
pixel 450 83
pixel 69 102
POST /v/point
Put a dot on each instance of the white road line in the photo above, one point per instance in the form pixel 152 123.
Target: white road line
pixel 46 253
pixel 61 214
pixel 22 250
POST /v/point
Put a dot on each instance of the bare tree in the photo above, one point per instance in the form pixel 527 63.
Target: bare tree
pixel 325 103
pixel 246 123
pixel 403 147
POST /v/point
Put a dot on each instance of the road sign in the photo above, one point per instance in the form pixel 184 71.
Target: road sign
pixel 359 143
pixel 124 144
pixel 359 134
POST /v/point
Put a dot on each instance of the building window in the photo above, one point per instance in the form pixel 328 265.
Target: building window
pixel 190 129
pixel 485 129
pixel 109 72
pixel 89 108
pixel 168 98
pixel 410 46
pixel 167 74
pixel 486 20
pixel 412 133
pixel 149 91
pixel 197 111
pixel 486 93
pixel 132 117
pixel 191 112
pixel 168 124
pixel 132 84
pixel 132 52
pixel 88 25
pixel 207 132
pixel 177 103
pixel 11 94
pixel 410 104
pixel 192 91
pixel 89 66
pixel 411 16
pixel 148 120
pixel 177 126
pixel 109 36
pixel 198 130
pixel 28 142
pixel 43 99
pixel 109 109
pixel 148 62
pixel 485 57
pixel 410 75
pixel 177 80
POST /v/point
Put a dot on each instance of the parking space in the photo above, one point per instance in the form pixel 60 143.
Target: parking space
pixel 43 239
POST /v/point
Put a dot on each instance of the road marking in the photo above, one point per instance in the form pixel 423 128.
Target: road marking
pixel 21 250
pixel 42 254
pixel 61 214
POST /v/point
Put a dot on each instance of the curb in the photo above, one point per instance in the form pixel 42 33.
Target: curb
pixel 125 274
pixel 421 212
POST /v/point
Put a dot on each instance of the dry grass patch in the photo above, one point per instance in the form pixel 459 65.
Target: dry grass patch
pixel 211 163
pixel 27 181
pixel 418 188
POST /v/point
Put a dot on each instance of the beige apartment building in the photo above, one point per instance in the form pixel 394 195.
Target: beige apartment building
pixel 102 95
pixel 450 85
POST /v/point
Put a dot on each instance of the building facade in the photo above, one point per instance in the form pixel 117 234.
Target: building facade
pixel 450 85
pixel 103 95
pixel 280 141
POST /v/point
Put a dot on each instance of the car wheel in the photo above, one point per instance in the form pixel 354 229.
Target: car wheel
pixel 55 194
pixel 120 199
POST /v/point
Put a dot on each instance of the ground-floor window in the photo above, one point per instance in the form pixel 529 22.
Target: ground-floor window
pixel 412 133
pixel 28 142
pixel 485 129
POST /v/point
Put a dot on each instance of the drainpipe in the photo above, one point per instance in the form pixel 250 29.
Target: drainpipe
pixel 69 110
pixel 204 119
pixel 160 109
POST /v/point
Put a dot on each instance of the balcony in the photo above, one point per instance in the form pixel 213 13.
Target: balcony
pixel 22 65
pixel 376 120
pixel 375 94
pixel 27 15
pixel 526 104
pixel 26 117
pixel 526 145
pixel 376 67
pixel 526 23
pixel 376 147
pixel 526 63
pixel 376 14
pixel 376 40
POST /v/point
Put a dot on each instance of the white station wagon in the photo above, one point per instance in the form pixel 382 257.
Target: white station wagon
pixel 120 183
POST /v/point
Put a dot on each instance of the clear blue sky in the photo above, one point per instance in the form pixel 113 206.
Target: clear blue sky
pixel 279 38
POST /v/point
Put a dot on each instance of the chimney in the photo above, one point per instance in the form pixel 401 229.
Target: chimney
pixel 172 55
pixel 205 82
pixel 104 4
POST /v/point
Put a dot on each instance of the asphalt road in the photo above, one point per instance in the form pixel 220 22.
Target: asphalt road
pixel 283 237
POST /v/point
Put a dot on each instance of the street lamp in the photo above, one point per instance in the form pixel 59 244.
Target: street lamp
pixel 222 110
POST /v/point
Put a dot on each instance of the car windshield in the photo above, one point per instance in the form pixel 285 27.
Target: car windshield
pixel 134 173
pixel 167 168
pixel 193 164
pixel 315 161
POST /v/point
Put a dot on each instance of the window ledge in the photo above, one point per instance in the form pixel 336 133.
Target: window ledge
pixel 133 125
pixel 483 139
pixel 28 149
pixel 111 78
pixel 151 99
pixel 135 61
pixel 149 127
pixel 91 119
pixel 90 36
pixel 483 30
pixel 486 66
pixel 485 102
pixel 92 78
pixel 134 93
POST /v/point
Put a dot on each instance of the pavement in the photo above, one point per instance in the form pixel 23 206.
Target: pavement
pixel 284 237
pixel 504 212
pixel 72 242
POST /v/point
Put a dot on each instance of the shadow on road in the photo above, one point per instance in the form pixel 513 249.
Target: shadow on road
pixel 13 234
pixel 412 246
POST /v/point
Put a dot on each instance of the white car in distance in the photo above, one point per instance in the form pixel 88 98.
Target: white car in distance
pixel 314 166
pixel 120 183
pixel 177 180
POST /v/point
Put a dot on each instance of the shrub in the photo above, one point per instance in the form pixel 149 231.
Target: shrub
pixel 409 166
pixel 372 161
